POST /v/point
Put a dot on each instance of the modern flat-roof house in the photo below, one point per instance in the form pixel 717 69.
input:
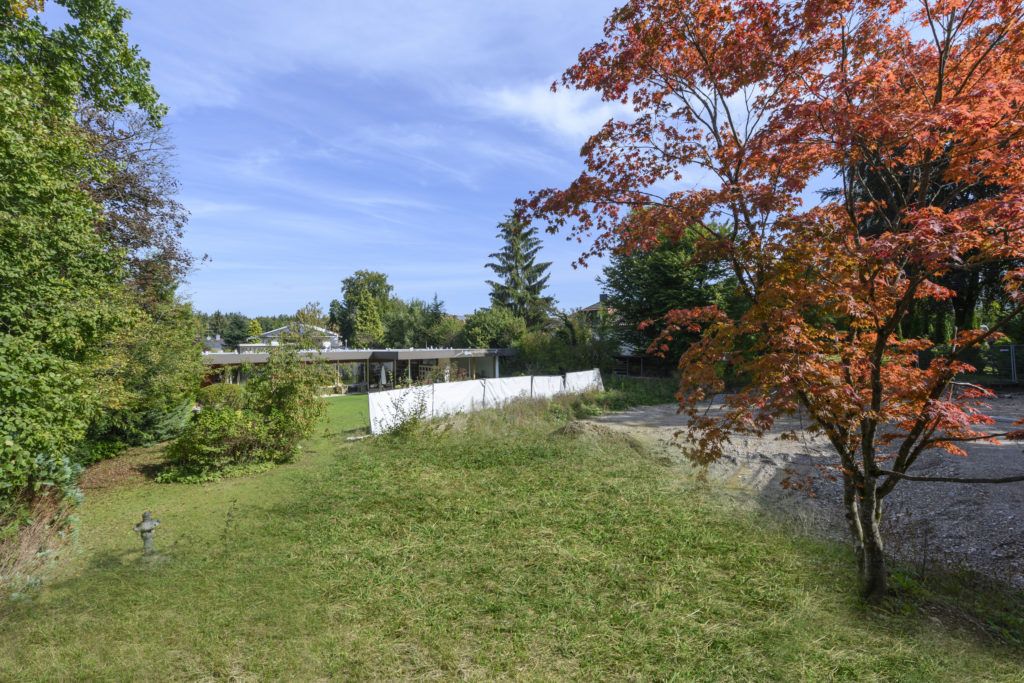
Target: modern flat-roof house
pixel 365 370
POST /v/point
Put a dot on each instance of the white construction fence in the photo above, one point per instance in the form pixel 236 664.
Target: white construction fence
pixel 390 408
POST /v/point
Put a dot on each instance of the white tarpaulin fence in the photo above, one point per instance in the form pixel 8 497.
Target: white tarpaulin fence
pixel 390 408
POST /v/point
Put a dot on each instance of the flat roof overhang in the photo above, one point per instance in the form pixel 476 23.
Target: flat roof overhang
pixel 357 356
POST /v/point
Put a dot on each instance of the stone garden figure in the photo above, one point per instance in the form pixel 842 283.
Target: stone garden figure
pixel 146 528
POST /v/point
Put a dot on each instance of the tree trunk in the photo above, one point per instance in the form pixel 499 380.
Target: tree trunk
pixel 863 515
pixel 871 570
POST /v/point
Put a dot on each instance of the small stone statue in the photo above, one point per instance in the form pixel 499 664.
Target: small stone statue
pixel 146 528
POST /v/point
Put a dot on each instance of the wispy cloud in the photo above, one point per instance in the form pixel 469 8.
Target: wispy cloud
pixel 202 208
pixel 567 114
pixel 229 42
pixel 319 139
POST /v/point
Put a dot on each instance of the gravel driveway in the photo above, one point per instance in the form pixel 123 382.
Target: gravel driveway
pixel 928 524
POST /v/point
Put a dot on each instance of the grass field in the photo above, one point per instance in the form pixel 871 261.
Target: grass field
pixel 348 415
pixel 487 548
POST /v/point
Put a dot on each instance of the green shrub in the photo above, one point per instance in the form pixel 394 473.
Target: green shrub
pixel 222 395
pixel 160 369
pixel 241 427
pixel 218 438
pixel 287 394
pixel 44 414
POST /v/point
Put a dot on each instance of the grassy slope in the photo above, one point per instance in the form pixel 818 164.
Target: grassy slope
pixel 491 549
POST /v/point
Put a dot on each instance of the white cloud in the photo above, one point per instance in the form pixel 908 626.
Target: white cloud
pixel 464 154
pixel 569 114
pixel 213 51
pixel 201 208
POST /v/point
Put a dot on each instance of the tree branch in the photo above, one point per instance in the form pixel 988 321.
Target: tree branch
pixel 955 480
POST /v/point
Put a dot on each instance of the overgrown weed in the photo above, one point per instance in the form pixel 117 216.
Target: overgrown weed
pixel 32 538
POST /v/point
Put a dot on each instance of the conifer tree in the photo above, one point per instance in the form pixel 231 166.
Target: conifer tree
pixel 522 278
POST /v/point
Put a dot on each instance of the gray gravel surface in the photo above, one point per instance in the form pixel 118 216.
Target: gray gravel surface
pixel 928 524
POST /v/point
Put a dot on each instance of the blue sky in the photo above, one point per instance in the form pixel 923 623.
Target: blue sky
pixel 316 139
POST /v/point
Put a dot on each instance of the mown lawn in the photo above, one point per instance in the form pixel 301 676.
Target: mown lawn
pixel 348 415
pixel 490 548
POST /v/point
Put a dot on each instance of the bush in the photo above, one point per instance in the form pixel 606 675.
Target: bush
pixel 242 427
pixel 287 394
pixel 493 328
pixel 218 438
pixel 44 414
pixel 222 395
pixel 160 369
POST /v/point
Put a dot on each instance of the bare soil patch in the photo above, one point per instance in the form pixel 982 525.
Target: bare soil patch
pixel 929 525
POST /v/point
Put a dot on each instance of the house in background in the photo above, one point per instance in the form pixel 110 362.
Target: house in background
pixel 313 336
pixel 212 343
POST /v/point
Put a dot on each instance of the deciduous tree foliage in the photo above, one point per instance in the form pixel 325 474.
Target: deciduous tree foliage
pixel 140 212
pixel 493 328
pixel 411 323
pixel 361 286
pixel 367 326
pixel 762 98
pixel 62 299
pixel 159 367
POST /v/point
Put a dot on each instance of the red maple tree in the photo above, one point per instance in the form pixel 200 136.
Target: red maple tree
pixel 916 109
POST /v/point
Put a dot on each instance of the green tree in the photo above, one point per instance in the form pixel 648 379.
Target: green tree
pixel 337 319
pixel 580 342
pixel 446 332
pixel 363 286
pixel 89 58
pixel 367 327
pixel 409 323
pixel 254 329
pixel 161 368
pixel 141 214
pixel 236 330
pixel 216 323
pixel 62 298
pixel 522 279
pixel 644 285
pixel 493 328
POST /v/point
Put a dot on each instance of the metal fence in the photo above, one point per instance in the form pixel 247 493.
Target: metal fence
pixel 999 363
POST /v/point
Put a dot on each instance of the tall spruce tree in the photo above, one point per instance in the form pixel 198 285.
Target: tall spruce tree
pixel 522 278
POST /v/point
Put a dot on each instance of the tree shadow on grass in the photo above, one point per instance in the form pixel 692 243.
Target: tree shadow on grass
pixel 925 582
pixel 986 608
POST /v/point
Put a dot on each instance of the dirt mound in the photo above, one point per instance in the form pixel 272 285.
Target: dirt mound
pixel 580 429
